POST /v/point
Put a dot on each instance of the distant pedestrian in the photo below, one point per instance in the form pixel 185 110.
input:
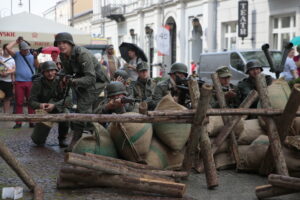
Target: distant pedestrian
pixel 290 69
pixel 55 58
pixel 7 70
pixel 111 61
pixel 130 67
pixel 26 64
pixel 297 59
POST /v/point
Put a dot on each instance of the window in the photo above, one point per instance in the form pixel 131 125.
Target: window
pixel 236 62
pixel 283 30
pixel 230 35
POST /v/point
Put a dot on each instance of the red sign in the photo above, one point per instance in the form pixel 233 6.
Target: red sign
pixel 7 34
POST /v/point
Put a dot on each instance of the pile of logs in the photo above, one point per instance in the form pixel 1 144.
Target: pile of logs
pixel 90 170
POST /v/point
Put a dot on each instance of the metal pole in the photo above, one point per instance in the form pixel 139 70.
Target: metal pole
pixel 11 8
pixel 29 5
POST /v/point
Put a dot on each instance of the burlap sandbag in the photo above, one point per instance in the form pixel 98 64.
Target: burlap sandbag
pixel 224 161
pixel 161 157
pixel 174 135
pixel 251 156
pixel 224 146
pixel 292 159
pixel 216 124
pixel 252 130
pixel 131 139
pixel 99 143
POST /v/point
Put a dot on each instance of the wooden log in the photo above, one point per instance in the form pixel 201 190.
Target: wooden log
pixel 209 162
pixel 252 97
pixel 185 116
pixel 293 142
pixel 284 181
pixel 110 167
pixel 286 119
pixel 170 173
pixel 38 193
pixel 196 131
pixel 161 187
pixel 222 103
pixel 268 191
pixel 194 92
pixel 274 139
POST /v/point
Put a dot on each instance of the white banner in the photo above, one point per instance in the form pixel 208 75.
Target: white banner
pixel 163 41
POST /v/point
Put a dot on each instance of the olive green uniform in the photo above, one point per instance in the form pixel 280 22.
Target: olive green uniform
pixel 230 102
pixel 143 90
pixel 248 84
pixel 44 91
pixel 162 89
pixel 89 80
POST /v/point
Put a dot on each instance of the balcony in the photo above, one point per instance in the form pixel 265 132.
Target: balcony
pixel 114 12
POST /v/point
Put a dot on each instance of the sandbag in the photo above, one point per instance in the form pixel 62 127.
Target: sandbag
pixel 99 143
pixel 174 135
pixel 224 161
pixel 161 157
pixel 131 139
pixel 216 124
pixel 292 159
pixel 296 127
pixel 251 156
pixel 224 146
pixel 252 130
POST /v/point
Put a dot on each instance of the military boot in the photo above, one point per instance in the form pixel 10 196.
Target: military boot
pixel 76 136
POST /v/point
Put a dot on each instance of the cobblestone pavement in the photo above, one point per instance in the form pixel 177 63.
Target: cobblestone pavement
pixel 44 164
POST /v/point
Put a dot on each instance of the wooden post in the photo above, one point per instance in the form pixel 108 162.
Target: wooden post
pixel 170 173
pixel 227 129
pixel 194 92
pixel 267 191
pixel 286 119
pixel 274 139
pixel 123 181
pixel 110 167
pixel 196 131
pixel 222 103
pixel 284 181
pixel 20 171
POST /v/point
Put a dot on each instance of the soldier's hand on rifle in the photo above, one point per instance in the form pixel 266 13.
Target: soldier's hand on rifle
pixel 49 107
pixel 230 94
pixel 114 103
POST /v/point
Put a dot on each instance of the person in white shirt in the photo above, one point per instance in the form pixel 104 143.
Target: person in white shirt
pixel 290 68
pixel 7 70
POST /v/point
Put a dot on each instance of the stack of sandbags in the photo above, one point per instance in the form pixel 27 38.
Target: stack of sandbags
pixel 132 140
pixel 167 147
pixel 252 130
pixel 99 143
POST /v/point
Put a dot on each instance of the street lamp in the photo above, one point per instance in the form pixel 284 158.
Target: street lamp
pixel 21 4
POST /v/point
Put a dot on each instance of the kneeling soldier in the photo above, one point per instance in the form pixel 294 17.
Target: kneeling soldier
pixel 47 95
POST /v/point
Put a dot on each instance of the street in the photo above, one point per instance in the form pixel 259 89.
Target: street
pixel 44 164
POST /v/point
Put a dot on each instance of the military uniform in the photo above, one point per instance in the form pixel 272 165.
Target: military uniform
pixel 231 102
pixel 248 84
pixel 44 91
pixel 169 86
pixel 143 89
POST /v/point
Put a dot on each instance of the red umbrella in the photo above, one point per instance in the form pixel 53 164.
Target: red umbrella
pixel 50 49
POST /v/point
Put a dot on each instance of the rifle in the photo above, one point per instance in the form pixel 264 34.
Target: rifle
pixel 68 86
pixel 129 100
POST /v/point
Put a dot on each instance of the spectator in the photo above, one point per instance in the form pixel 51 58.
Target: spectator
pixel 297 60
pixel 193 66
pixel 55 58
pixel 7 70
pixel 111 61
pixel 290 69
pixel 25 69
pixel 130 67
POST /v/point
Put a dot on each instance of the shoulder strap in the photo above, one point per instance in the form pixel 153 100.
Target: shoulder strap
pixel 7 60
pixel 28 64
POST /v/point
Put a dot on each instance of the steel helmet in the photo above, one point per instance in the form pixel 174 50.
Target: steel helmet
pixel 121 73
pixel 63 37
pixel 142 66
pixel 178 67
pixel 253 64
pixel 115 88
pixel 49 65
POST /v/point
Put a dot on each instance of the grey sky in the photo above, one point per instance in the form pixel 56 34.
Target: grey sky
pixel 36 6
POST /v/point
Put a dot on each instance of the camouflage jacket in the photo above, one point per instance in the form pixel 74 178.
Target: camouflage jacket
pixel 162 89
pixel 230 102
pixel 44 91
pixel 144 91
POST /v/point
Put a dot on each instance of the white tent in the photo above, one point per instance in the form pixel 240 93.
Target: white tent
pixel 38 31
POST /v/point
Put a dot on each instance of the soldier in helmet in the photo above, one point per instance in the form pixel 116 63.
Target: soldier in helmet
pixel 88 82
pixel 231 92
pixel 247 84
pixel 143 87
pixel 115 90
pixel 177 73
pixel 123 77
pixel 47 95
